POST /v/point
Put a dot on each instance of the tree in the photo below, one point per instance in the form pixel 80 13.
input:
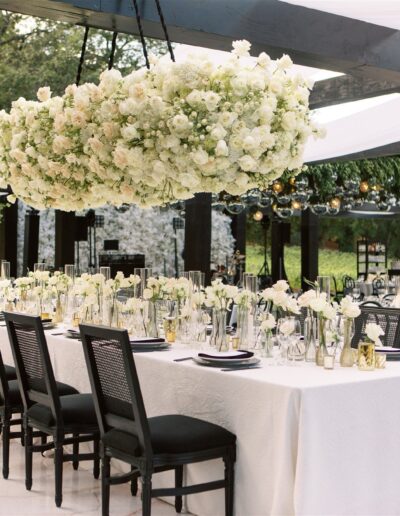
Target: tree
pixel 36 52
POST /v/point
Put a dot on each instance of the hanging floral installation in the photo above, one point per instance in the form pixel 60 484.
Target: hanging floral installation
pixel 158 135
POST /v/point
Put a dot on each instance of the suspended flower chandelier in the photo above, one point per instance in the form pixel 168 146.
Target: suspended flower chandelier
pixel 158 135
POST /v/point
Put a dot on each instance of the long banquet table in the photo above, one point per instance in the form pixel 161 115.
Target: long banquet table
pixel 310 441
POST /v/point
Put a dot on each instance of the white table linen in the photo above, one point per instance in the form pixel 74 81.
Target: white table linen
pixel 309 441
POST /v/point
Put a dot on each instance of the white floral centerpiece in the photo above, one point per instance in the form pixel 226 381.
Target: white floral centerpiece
pixel 219 297
pixel 158 135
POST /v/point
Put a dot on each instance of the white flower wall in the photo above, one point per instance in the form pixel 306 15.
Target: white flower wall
pixel 148 232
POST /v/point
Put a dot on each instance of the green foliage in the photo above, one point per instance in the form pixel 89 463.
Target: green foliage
pixel 37 53
pixel 382 172
pixel 330 262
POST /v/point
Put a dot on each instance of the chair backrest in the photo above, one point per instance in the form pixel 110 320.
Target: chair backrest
pixel 377 284
pixel 32 362
pixel 115 383
pixel 3 384
pixel 387 318
pixel 371 303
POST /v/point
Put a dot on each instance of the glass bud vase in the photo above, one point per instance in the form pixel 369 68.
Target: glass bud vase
pixel 266 344
pixel 243 315
pixel 321 351
pixel 309 336
pixel 59 312
pixel 219 338
pixel 347 354
pixel 151 325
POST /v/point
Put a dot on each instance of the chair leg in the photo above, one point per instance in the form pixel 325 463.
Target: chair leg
pixel 178 483
pixel 96 461
pixel 6 445
pixel 134 483
pixel 146 494
pixel 75 452
pixel 58 466
pixel 28 455
pixel 22 434
pixel 105 486
pixel 229 485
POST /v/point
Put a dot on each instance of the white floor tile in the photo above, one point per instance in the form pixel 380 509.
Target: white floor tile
pixel 81 492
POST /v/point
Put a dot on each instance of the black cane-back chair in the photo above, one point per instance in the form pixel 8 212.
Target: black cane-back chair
pixel 147 444
pixel 10 403
pixel 348 285
pixel 55 409
pixel 387 318
pixel 378 286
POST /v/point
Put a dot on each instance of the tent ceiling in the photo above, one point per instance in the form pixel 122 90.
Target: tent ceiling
pixel 379 12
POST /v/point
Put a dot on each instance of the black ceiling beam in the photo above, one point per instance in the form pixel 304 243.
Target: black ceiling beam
pixel 391 149
pixel 347 88
pixel 310 37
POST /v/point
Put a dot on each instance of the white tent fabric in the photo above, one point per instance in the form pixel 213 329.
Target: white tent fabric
pixel 380 12
pixel 356 130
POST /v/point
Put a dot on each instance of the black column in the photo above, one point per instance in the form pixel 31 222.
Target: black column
pixel 309 247
pixel 8 249
pixel 31 240
pixel 280 235
pixel 65 238
pixel 197 253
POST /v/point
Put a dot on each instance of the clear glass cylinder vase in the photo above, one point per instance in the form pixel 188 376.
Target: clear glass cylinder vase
pixel 347 354
pixel 219 338
pixel 310 338
pixel 243 326
pixel 151 320
pixel 321 350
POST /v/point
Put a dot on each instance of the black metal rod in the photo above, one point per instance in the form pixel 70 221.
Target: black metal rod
pixel 164 26
pixel 113 49
pixel 141 34
pixel 82 58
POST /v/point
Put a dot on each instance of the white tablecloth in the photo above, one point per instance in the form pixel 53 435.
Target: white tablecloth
pixel 310 441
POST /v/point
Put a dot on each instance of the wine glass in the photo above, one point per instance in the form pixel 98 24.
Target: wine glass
pixel 356 293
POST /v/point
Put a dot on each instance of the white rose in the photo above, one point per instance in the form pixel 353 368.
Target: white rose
pixel 247 163
pixel 373 332
pixel 221 148
pixel 200 157
pixel 241 48
pixel 318 304
pixel 281 285
pixel 287 328
pixel 43 94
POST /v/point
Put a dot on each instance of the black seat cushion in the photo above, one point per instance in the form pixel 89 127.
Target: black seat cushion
pixel 14 396
pixel 173 434
pixel 77 411
pixel 11 373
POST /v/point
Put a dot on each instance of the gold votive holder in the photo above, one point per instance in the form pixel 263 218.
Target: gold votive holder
pixel 366 356
pixel 170 329
pixel 75 320
pixel 329 361
pixel 380 360
pixel 235 342
pixel 45 315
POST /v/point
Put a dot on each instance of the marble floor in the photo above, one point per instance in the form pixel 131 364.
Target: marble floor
pixel 81 492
